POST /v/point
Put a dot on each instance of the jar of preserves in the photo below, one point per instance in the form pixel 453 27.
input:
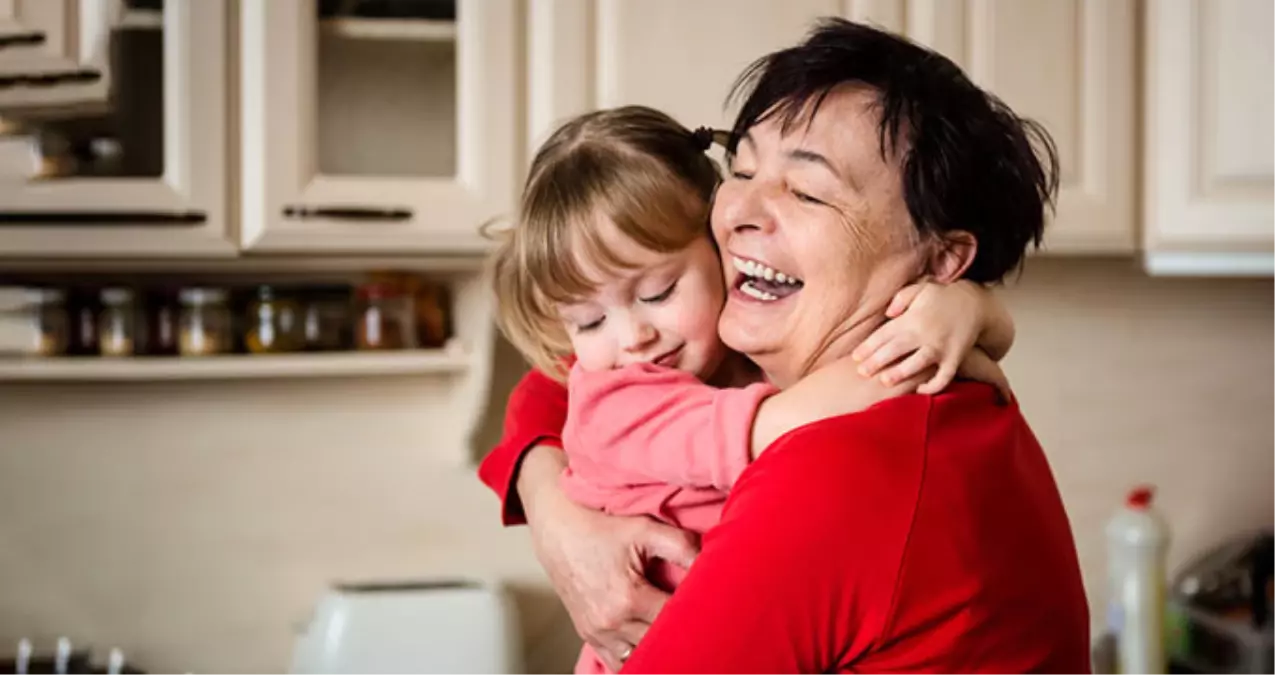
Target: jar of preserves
pixel 205 322
pixel 385 318
pixel 161 323
pixel 33 321
pixel 117 322
pixel 82 308
pixel 327 322
pixel 274 323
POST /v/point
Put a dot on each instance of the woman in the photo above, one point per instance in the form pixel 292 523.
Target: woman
pixel 925 533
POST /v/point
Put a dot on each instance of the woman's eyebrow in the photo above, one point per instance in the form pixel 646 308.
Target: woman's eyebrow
pixel 810 156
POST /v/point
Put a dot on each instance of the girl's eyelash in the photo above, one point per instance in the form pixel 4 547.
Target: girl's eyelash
pixel 592 325
pixel 741 175
pixel 662 296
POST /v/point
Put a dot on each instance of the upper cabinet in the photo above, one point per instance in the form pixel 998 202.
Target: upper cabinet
pixel 380 133
pixel 1208 186
pixel 1069 64
pixel 136 169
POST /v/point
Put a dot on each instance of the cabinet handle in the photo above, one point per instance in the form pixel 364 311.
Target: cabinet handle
pixel 21 39
pixel 103 218
pixel 368 213
pixel 50 79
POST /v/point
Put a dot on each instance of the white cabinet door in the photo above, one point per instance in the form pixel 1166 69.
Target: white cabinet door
pixel 53 52
pixel 372 135
pixel 678 56
pixel 1208 149
pixel 140 175
pixel 1068 64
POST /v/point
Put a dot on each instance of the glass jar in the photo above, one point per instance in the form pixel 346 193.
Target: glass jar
pixel 205 322
pixel 82 308
pixel 33 321
pixel 385 318
pixel 117 322
pixel 274 323
pixel 327 323
pixel 161 323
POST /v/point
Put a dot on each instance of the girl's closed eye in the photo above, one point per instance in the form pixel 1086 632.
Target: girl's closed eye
pixel 661 296
pixel 590 326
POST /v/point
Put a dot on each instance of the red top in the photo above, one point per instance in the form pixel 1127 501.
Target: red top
pixel 923 534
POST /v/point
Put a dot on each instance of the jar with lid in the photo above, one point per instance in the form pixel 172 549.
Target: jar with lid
pixel 327 322
pixel 33 321
pixel 385 318
pixel 82 308
pixel 117 322
pixel 205 322
pixel 274 323
pixel 161 323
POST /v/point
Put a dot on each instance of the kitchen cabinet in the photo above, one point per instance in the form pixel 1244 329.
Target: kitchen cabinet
pixel 141 174
pixel 1067 63
pixel 376 135
pixel 43 42
pixel 1207 183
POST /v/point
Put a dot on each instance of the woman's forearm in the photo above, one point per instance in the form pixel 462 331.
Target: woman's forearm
pixel 540 470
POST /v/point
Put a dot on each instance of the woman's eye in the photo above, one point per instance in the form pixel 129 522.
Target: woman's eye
pixel 664 295
pixel 592 325
pixel 803 197
pixel 741 175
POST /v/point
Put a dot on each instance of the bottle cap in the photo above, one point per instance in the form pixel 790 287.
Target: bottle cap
pixel 1140 497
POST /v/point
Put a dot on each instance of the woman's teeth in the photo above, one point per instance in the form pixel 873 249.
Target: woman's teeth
pixel 763 282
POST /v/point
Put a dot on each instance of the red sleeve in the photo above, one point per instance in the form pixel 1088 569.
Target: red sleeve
pixel 647 424
pixel 798 576
pixel 535 415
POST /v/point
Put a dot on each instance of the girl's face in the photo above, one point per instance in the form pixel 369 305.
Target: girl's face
pixel 663 310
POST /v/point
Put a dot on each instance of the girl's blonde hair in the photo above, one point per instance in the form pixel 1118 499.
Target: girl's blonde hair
pixel 634 167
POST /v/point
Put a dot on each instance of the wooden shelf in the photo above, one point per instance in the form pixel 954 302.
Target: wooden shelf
pixel 418 30
pixel 234 367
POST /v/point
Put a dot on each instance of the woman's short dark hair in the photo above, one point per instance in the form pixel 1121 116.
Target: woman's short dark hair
pixel 969 162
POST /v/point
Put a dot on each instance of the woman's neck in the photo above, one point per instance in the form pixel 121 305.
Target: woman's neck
pixel 735 371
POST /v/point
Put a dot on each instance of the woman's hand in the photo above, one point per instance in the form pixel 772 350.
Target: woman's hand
pixel 597 562
pixel 936 325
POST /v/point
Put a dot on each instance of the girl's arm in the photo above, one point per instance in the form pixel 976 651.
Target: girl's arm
pixel 646 424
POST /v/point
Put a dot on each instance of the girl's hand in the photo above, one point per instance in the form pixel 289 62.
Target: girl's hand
pixel 931 325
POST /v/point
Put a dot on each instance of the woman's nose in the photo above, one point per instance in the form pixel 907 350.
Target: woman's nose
pixel 746 205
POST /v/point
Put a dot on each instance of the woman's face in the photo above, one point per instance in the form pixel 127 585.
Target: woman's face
pixel 814 235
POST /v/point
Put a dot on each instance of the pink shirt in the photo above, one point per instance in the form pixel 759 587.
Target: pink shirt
pixel 651 441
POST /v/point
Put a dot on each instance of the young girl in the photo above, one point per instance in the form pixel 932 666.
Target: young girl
pixel 612 271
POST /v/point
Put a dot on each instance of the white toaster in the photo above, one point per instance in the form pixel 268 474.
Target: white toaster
pixel 411 627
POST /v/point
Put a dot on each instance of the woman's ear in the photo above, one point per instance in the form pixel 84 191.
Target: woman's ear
pixel 952 253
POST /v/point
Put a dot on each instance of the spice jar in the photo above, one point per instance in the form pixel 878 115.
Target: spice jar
pixel 82 308
pixel 205 322
pixel 116 323
pixel 33 321
pixel 161 323
pixel 274 323
pixel 327 318
pixel 385 318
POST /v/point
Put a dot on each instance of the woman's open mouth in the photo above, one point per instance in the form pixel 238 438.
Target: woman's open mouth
pixel 762 282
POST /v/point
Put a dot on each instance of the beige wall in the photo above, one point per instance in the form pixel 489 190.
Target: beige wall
pixel 194 524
